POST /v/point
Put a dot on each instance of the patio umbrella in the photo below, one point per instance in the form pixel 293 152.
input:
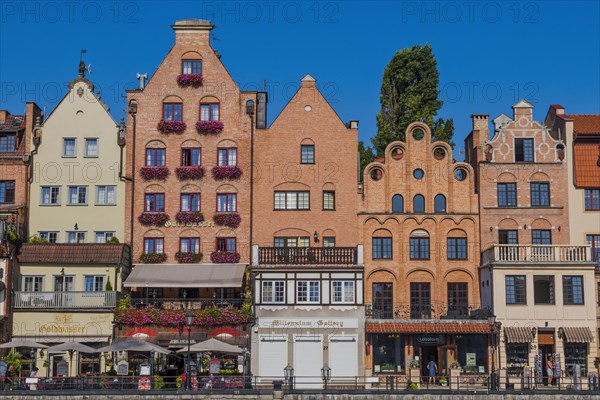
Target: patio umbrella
pixel 73 346
pixel 212 345
pixel 133 345
pixel 22 343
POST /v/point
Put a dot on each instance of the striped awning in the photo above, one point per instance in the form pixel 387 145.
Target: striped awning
pixel 578 335
pixel 518 334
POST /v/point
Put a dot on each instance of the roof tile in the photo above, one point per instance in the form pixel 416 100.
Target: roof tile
pixel 587 171
pixel 63 253
pixel 585 124
pixel 428 327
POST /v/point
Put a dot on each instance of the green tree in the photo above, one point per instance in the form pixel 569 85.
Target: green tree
pixel 443 130
pixel 366 155
pixel 409 93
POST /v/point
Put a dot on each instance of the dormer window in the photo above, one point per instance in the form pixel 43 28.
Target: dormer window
pixel 7 143
pixel 191 67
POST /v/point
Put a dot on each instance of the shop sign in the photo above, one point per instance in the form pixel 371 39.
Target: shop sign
pixel 430 340
pixel 471 359
pixel 62 368
pixel 123 368
pixel 308 323
pixel 214 366
pixel 203 224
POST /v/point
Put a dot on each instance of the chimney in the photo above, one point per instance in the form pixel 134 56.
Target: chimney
pixel 192 32
pixel 261 110
pixel 32 112
pixel 481 128
pixel 523 109
pixel 3 114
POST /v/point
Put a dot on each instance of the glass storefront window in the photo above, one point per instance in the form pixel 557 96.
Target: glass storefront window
pixel 575 354
pixel 472 352
pixel 90 363
pixel 388 353
pixel 517 357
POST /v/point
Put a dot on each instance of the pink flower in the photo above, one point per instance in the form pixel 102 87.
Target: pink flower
pixel 193 172
pixel 171 126
pixel 209 126
pixel 188 257
pixel 230 219
pixel 189 217
pixel 224 257
pixel 194 80
pixel 153 218
pixel 226 172
pixel 153 258
pixel 151 173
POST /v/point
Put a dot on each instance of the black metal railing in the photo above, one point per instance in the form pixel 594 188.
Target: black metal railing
pixel 424 310
pixel 308 255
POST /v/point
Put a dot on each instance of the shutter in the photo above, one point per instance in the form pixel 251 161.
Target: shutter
pixel 343 356
pixel 272 357
pixel 308 360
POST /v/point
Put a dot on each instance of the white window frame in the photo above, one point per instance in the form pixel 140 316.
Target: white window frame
pixel 106 234
pixel 34 278
pixel 309 284
pixel 77 234
pixel 95 277
pixel 46 235
pixel 64 147
pixel 105 199
pixel 85 147
pixel 274 286
pixel 58 197
pixel 78 190
pixel 347 288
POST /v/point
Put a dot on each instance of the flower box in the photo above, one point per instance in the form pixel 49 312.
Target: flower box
pixel 212 127
pixel 230 219
pixel 153 218
pixel 189 217
pixel 188 257
pixel 224 257
pixel 171 126
pixel 212 316
pixel 154 173
pixel 226 172
pixel 194 80
pixel 195 172
pixel 153 258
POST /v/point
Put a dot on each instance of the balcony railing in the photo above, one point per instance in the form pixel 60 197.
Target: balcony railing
pixel 185 303
pixel 65 299
pixel 536 253
pixel 424 310
pixel 309 256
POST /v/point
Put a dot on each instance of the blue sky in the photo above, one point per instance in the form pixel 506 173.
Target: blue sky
pixel 489 54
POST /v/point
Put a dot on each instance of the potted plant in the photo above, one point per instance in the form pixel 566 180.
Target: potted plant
pixel 443 381
pixel 170 126
pixel 229 219
pixel 193 80
pixel 209 127
pixel 226 172
pixel 454 374
pixel 154 173
pixel 190 172
pixel 415 371
pixel 388 367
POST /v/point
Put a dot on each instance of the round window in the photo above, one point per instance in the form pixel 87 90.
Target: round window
pixel 397 153
pixel 439 153
pixel 460 174
pixel 418 133
pixel 376 174
pixel 418 173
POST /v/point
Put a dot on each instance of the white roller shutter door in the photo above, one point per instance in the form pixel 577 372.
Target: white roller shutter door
pixel 343 356
pixel 308 360
pixel 272 357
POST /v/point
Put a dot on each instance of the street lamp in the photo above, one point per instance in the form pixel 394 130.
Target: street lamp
pixel 189 321
pixel 493 327
pixel 289 376
pixel 325 374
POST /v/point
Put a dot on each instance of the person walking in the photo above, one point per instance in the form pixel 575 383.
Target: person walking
pixel 550 369
pixel 432 370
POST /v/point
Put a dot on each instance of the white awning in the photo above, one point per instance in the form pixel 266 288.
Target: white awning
pixel 186 275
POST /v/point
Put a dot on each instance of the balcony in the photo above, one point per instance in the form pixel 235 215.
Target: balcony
pixel 53 300
pixel 509 253
pixel 309 256
pixel 424 311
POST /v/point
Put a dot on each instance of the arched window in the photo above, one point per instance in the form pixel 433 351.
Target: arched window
pixel 439 204
pixel 397 203
pixel 419 204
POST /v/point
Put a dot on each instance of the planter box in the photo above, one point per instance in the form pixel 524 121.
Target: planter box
pixel 454 378
pixel 415 376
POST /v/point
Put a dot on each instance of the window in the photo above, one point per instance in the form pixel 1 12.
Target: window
pixel 64 283
pixel 155 157
pixel 524 150
pixel 540 194
pixel 419 204
pixel 573 290
pixel 592 199
pixel 576 354
pixel 507 195
pixel 7 143
pixel 103 237
pixel 190 202
pixel 33 283
pixel 69 147
pixel 382 248
pixel 50 195
pixel 153 245
pixel 173 111
pixel 105 195
pixel 154 202
pixel 76 237
pixel 189 245
pixel 383 296
pixel 209 112
pixel 191 67
pixel 226 202
pixel 308 292
pixel 541 237
pixel 420 300
pixel 517 357
pixel 307 154
pixel 77 195
pixel 508 236
pixel 397 203
pixel 94 283
pixel 227 156
pixel 458 300
pixel 439 203
pixel 292 200
pixel 302 241
pixel 515 289
pixel 328 200
pixel 91 148
pixel 328 241
pixel 457 248
pixel 226 244
pixel 543 289
pixel 273 292
pixel 191 157
pixel 419 248
pixel 51 237
pixel 342 291
pixel 594 242
pixel 7 192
